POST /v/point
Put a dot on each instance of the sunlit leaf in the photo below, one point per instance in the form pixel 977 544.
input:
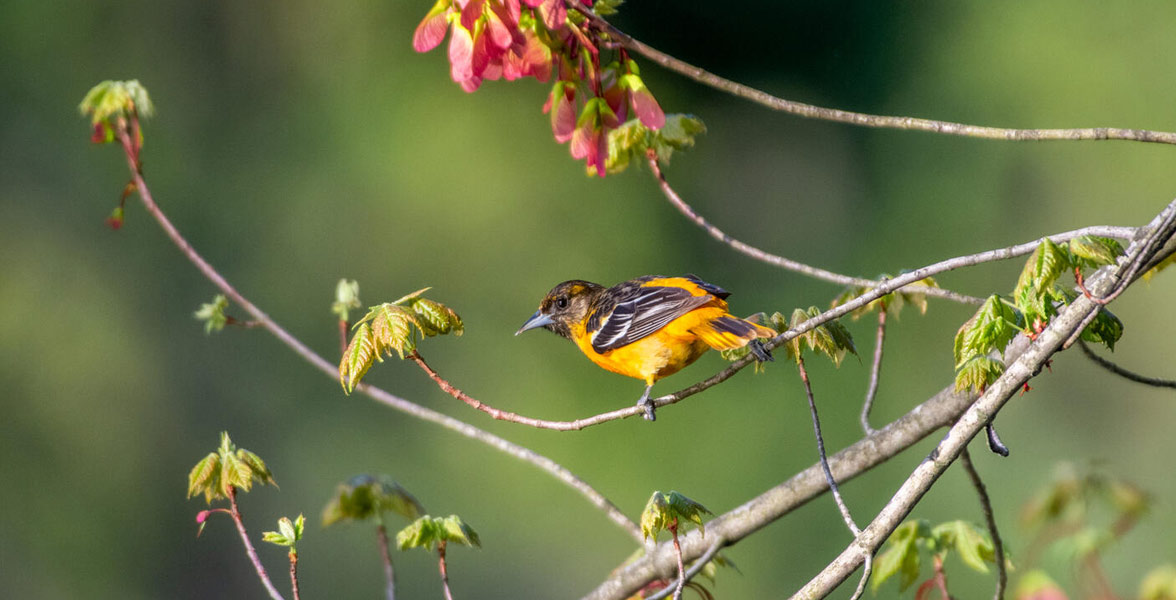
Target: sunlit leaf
pixel 991 329
pixel 669 511
pixel 427 532
pixel 1160 266
pixel 111 99
pixel 630 141
pixel 1095 251
pixel 900 556
pixel 1044 267
pixel 1159 584
pixel 970 543
pixel 357 358
pixel 225 468
pixel 977 373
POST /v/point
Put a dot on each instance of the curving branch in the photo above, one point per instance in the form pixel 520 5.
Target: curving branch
pixel 1124 373
pixel 875 372
pixel 411 408
pixel 774 259
pixel 801 109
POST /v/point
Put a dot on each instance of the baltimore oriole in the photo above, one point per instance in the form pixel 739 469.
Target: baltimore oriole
pixel 648 327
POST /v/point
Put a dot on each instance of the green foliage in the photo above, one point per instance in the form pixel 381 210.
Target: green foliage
pixel 901 556
pixel 109 101
pixel 892 303
pixel 1035 300
pixel 630 141
pixel 213 314
pixel 394 326
pixel 346 298
pixel 288 533
pixel 605 8
pixel 428 532
pixel 228 467
pixel 366 497
pixel 1159 584
pixel 665 512
pixel 1160 266
pixel 830 338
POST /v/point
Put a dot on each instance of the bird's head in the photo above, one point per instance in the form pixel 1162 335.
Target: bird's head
pixel 566 304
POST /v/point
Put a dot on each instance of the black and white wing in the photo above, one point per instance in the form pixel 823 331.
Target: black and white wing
pixel 641 311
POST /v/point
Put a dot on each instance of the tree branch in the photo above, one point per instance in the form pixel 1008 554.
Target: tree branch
pixel 239 521
pixel 1066 324
pixel 875 372
pixel 1120 371
pixel 944 408
pixel 520 452
pixel 1002 576
pixel 862 119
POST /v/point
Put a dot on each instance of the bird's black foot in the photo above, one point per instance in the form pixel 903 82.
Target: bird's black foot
pixel 646 403
pixel 758 350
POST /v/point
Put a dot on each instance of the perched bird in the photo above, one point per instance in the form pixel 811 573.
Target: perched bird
pixel 648 327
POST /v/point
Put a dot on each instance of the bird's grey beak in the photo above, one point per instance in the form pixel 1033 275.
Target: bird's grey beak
pixel 537 320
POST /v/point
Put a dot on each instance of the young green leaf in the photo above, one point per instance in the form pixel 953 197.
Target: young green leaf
pixel 225 468
pixel 1106 328
pixel 366 497
pixel 630 141
pixel 991 329
pixel 1044 267
pixel 288 532
pixel 346 298
pixel 672 510
pixel 892 303
pixel 830 338
pixel 977 373
pixel 112 100
pixel 973 546
pixel 1095 251
pixel 427 532
pixel 213 314
pixel 901 556
pixel 358 357
pixel 435 318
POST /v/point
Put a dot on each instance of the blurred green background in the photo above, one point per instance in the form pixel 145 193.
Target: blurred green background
pixel 300 142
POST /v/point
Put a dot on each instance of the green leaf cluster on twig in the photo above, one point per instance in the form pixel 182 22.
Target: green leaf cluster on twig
pixel 901 555
pixel 669 511
pixel 428 532
pixel 394 327
pixel 110 101
pixel 213 314
pixel 229 466
pixel 630 142
pixel 366 497
pixel 981 340
pixel 288 533
pixel 892 303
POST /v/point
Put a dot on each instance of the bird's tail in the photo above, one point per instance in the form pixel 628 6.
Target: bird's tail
pixel 728 332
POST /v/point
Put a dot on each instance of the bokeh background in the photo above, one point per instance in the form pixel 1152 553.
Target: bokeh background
pixel 299 142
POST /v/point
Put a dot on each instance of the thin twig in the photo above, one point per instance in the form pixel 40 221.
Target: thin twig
pixel 389 573
pixel 861 119
pixel 681 567
pixel 808 392
pixel 1120 371
pixel 384 397
pixel 294 575
pixel 773 259
pixel 1002 576
pixel 699 565
pixel 875 372
pixel 444 571
pixel 235 511
pixel 867 570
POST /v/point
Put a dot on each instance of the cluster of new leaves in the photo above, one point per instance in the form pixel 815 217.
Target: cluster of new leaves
pixel 213 314
pixel 429 532
pixel 633 141
pixel 980 342
pixel 288 534
pixel 394 327
pixel 513 39
pixel 669 512
pixel 228 467
pixel 110 101
pixel 902 557
pixel 891 303
pixel 346 299
pixel 368 497
pixel 830 338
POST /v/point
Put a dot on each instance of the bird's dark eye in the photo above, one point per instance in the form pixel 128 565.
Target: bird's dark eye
pixel 561 302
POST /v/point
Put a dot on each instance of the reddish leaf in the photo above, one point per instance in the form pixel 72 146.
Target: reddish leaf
pixel 554 13
pixel 563 116
pixel 431 31
pixel 646 108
